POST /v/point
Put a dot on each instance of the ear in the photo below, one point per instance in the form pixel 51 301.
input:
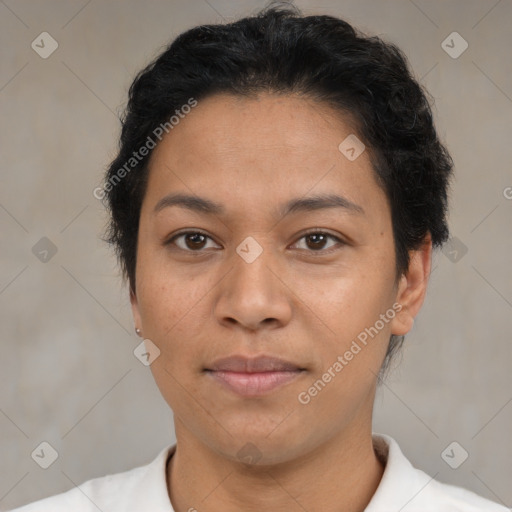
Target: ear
pixel 135 309
pixel 412 287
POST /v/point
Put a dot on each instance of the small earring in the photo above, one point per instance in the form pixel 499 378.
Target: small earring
pixel 137 330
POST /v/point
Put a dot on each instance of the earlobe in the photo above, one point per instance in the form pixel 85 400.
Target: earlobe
pixel 412 288
pixel 135 309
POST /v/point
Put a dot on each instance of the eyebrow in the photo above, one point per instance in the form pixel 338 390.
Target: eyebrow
pixel 306 204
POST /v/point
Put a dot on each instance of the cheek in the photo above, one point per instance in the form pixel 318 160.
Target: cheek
pixel 175 309
pixel 162 298
pixel 351 305
pixel 350 302
pixel 171 307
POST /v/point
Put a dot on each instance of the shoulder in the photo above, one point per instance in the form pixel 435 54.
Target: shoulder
pixel 408 489
pixel 458 499
pixel 89 496
pixel 115 493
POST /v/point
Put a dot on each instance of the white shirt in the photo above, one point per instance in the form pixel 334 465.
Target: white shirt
pixel 402 488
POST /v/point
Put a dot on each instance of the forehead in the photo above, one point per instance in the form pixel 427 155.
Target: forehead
pixel 224 123
pixel 263 149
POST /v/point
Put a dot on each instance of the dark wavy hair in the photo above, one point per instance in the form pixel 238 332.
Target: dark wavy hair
pixel 323 58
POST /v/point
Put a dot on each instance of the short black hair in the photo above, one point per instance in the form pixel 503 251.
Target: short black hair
pixel 321 57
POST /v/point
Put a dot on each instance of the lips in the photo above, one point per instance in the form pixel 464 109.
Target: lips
pixel 253 365
pixel 251 377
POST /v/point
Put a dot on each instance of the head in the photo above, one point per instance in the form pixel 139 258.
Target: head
pixel 262 122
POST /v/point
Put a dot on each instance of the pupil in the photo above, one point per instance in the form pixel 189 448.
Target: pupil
pixel 197 240
pixel 319 238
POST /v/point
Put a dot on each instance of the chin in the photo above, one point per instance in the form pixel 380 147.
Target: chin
pixel 265 446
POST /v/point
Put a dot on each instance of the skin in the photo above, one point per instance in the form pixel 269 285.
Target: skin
pixel 298 301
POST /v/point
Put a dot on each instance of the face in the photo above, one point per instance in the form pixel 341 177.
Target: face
pixel 283 251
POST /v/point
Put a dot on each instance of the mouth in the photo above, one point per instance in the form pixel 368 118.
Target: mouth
pixel 251 377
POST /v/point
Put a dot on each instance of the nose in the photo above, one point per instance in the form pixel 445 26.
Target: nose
pixel 254 295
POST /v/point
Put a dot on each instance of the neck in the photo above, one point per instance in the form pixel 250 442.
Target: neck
pixel 342 474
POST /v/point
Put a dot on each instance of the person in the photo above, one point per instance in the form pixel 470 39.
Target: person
pixel 275 201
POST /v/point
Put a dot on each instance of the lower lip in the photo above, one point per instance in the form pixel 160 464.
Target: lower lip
pixel 254 384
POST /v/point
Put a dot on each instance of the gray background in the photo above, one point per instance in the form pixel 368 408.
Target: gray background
pixel 68 373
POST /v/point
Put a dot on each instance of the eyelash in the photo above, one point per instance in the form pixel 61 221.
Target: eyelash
pixel 320 252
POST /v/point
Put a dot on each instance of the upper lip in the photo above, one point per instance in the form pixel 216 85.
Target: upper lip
pixel 243 364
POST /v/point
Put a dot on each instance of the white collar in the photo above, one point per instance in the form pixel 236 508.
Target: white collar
pixel 402 487
pixel 405 488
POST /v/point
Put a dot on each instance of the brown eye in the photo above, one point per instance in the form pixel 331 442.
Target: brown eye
pixel 316 241
pixel 195 241
pixel 191 241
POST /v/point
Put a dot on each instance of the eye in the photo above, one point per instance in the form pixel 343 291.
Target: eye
pixel 197 241
pixel 191 241
pixel 315 241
